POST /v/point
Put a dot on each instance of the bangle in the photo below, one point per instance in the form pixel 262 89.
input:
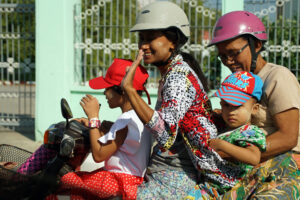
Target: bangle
pixel 94 123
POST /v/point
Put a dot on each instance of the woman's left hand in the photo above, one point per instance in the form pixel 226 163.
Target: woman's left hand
pixel 127 82
pixel 90 106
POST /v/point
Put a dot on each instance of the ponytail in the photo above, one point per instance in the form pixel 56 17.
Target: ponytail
pixel 193 63
pixel 175 35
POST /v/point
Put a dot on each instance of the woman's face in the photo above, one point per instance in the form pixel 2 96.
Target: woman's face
pixel 114 99
pixel 235 54
pixel 156 46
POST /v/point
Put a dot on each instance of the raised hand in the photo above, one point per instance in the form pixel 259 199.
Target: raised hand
pixel 127 82
pixel 90 106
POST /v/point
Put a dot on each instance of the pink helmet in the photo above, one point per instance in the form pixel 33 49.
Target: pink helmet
pixel 237 23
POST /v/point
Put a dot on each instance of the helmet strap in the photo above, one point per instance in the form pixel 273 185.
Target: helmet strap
pixel 175 51
pixel 164 63
pixel 254 55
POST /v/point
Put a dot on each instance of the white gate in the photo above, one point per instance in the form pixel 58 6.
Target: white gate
pixel 102 33
pixel 282 20
pixel 17 65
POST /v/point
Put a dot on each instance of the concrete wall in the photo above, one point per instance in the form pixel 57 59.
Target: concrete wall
pixel 54 60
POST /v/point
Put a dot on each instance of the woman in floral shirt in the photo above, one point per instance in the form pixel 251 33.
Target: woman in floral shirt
pixel 181 121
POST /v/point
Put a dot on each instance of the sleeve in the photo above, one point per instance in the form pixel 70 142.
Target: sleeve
pixel 134 136
pixel 282 90
pixel 111 134
pixel 177 97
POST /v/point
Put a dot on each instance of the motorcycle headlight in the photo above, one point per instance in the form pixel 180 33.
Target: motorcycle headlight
pixel 67 146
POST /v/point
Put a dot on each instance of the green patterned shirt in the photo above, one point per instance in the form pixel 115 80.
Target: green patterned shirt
pixel 245 136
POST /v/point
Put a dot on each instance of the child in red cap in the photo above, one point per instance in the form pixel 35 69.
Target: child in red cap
pixel 124 146
pixel 242 142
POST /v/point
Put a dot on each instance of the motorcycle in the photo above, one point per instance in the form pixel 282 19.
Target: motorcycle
pixel 70 140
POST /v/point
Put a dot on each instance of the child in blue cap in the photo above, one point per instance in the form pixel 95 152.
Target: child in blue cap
pixel 242 143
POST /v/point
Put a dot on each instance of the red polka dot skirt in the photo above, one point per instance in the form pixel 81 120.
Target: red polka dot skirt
pixel 99 184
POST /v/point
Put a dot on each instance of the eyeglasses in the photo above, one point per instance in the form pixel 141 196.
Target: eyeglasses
pixel 232 55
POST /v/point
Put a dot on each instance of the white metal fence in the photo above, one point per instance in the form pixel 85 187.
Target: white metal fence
pixel 102 33
pixel 17 65
pixel 282 20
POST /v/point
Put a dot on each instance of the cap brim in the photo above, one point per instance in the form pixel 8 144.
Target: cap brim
pixel 232 96
pixel 99 83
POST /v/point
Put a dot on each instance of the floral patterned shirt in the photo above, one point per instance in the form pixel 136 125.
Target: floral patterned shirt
pixel 244 136
pixel 183 108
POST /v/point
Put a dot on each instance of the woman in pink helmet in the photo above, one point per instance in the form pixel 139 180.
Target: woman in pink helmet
pixel 239 37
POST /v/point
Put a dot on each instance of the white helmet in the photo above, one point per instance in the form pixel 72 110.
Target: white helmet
pixel 162 15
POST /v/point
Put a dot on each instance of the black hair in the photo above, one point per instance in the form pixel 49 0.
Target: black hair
pixel 177 37
pixel 119 90
pixel 247 36
pixel 193 63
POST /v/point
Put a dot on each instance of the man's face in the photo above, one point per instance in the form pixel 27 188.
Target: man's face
pixel 235 54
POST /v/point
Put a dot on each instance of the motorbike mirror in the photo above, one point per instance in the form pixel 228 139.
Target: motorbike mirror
pixel 65 109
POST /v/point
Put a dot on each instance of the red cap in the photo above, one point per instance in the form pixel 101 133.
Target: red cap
pixel 115 74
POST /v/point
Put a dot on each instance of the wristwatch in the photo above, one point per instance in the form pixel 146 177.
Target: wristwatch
pixel 94 123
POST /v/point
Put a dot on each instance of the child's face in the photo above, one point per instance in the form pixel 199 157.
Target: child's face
pixel 156 46
pixel 114 99
pixel 236 116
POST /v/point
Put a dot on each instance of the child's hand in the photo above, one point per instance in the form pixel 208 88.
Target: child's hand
pixel 215 143
pixel 90 106
pixel 83 121
pixel 128 78
pixel 8 165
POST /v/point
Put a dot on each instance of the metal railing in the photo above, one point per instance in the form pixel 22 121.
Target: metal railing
pixel 17 65
pixel 282 21
pixel 102 34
